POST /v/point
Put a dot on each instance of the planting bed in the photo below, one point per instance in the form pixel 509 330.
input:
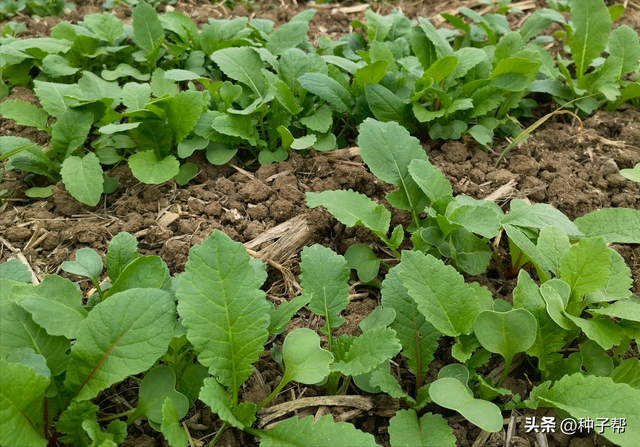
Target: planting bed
pixel 575 172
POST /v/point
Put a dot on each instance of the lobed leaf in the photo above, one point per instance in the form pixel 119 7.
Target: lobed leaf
pixel 24 114
pixel 223 309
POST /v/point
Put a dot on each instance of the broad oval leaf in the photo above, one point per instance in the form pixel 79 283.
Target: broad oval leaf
pixel 506 333
pixel 83 178
pixel 146 167
pixel 305 361
pixel 122 335
pixel 328 89
pixel 616 225
pixel 304 432
pixel 451 393
pixel 51 302
pixel 430 430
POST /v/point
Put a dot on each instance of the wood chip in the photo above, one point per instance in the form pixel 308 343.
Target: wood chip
pixel 270 413
pixel 168 218
pixel 351 9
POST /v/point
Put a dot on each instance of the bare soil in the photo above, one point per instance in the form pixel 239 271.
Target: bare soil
pixel 555 166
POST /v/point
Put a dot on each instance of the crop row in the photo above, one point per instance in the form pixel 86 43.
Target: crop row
pixel 152 93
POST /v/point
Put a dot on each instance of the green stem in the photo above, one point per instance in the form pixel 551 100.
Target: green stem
pixel 275 392
pixel 344 386
pixel 116 416
pixel 215 438
pixel 505 373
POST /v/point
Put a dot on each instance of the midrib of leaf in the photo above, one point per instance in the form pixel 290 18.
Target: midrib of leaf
pixel 33 341
pixel 101 361
pixel 84 177
pixel 148 30
pixel 234 375
pixel 20 411
pixel 584 47
pixel 255 88
pixel 418 355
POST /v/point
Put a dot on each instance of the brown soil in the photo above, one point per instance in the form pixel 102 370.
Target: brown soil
pixel 554 166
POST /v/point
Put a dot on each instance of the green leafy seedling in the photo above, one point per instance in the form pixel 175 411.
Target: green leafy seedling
pixel 361 258
pixel 158 385
pixel 506 333
pixel 449 392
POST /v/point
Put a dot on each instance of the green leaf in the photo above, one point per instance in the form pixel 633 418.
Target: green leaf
pixel 244 65
pixel 591 27
pixel 121 336
pixel 106 26
pixel 223 309
pixel 83 178
pixel 368 351
pixel 442 47
pixel 157 386
pixel 418 337
pixel 538 215
pixel 352 208
pixel 289 35
pixel 597 397
pixel 213 394
pixel 161 86
pixel 304 432
pixel 632 174
pixel 430 430
pixel 19 331
pixel 549 336
pixel 601 330
pixel 384 104
pixel 303 142
pixel 361 258
pixel 53 97
pixel 482 135
pixel 625 310
pixel 556 294
pixel 184 110
pixel 54 300
pixel 328 89
pixel 449 392
pixel 28 357
pixel 431 180
pixel 283 94
pixel 123 250
pixel 24 114
pixel 387 149
pixel 615 225
pixel 186 173
pixel 293 64
pixel 21 405
pixel 70 422
pixel 469 252
pixel 506 333
pixel 481 220
pixel 553 243
pixel 70 131
pixel 236 126
pixel 378 27
pixel 441 68
pixel 279 317
pixel 595 359
pixel 145 272
pixel 147 28
pixel 320 121
pixel 585 267
pixel 518 238
pixel 171 428
pixel 15 271
pixel 146 167
pixel 124 71
pixel 324 275
pixel 624 49
pixel 628 371
pixel 617 284
pixel 304 360
pixel 115 128
pixel 136 96
pixel 154 136
pixel 88 263
pixel 371 74
pixel 95 88
pixel 442 296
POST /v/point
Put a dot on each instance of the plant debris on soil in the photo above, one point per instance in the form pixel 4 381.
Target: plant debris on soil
pixel 575 173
